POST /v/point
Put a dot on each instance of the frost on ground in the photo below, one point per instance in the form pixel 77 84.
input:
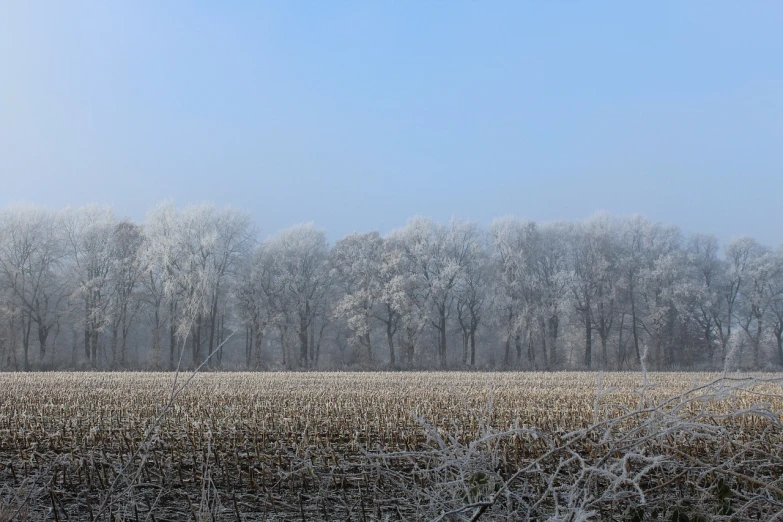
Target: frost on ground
pixel 391 446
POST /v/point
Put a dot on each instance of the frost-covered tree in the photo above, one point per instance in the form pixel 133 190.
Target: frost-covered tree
pixel 473 295
pixel 31 262
pixel 550 283
pixel 259 292
pixel 757 295
pixel 776 303
pixel 89 246
pixel 437 255
pixel 164 252
pixel 194 253
pixel 644 273
pixel 738 252
pixel 356 269
pixel 234 235
pixel 404 296
pixel 602 236
pixel 520 294
pixel 703 290
pixel 662 278
pixel 301 256
pixel 513 244
pixel 125 273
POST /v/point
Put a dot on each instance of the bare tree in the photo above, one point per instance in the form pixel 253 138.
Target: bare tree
pixel 705 285
pixel 776 303
pixel 513 246
pixel 758 295
pixel 356 267
pixel 520 294
pixel 738 252
pixel 31 253
pixel 127 268
pixel 88 236
pixel 473 296
pixel 301 257
pixel 437 256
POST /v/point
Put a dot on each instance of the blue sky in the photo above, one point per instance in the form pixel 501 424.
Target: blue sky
pixel 358 115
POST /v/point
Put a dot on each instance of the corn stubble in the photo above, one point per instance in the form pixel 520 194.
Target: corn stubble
pixel 391 446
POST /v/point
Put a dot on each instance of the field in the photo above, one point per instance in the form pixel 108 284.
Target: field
pixel 390 446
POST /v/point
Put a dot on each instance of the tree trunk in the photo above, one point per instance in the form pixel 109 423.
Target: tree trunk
pixel 94 346
pixel 442 331
pixel 248 345
pixel 670 351
pixel 725 341
pixel 87 330
pixel 172 335
pixel 221 337
pixel 13 340
pixel 212 326
pixel 553 325
pixel 156 339
pixel 473 348
pixel 283 332
pixel 603 326
pixel 123 345
pixel 196 344
pixel 465 343
pixel 318 343
pixel 259 343
pixel 621 355
pixel 757 342
pixel 303 342
pixel 26 341
pixel 475 319
pixel 114 343
pixel 531 349
pixel 634 330
pixel 74 347
pixel 542 326
pixel 217 337
pixel 368 343
pixel 43 334
pixel 390 341
pixel 588 340
pixel 410 345
pixel 507 351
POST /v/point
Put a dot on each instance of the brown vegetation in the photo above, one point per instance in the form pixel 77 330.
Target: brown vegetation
pixel 249 446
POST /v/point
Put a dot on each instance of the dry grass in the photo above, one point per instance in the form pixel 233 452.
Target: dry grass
pixel 252 446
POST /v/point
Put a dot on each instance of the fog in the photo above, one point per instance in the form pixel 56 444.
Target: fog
pixel 82 289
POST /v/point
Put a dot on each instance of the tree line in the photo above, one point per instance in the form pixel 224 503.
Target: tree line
pixel 81 289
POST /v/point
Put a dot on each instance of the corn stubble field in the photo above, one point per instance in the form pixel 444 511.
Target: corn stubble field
pixel 391 446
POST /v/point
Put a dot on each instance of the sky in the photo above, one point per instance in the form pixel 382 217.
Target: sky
pixel 358 115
